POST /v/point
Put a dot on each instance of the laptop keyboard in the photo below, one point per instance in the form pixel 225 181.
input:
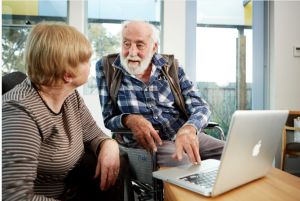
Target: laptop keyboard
pixel 205 180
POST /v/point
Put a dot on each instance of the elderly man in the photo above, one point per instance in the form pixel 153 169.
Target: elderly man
pixel 145 102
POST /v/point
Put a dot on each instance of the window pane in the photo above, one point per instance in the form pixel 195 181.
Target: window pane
pixel 15 14
pixel 13 46
pixel 104 28
pixel 105 39
pixel 18 12
pixel 124 10
pixel 224 68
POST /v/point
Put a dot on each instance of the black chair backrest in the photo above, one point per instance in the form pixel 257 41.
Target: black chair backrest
pixel 10 80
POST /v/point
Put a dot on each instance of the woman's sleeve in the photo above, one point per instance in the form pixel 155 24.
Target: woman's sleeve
pixel 21 142
pixel 92 134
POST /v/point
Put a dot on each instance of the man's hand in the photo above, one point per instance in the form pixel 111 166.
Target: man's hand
pixel 108 164
pixel 187 140
pixel 142 130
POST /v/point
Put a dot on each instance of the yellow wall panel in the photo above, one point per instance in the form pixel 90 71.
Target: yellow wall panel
pixel 248 14
pixel 20 7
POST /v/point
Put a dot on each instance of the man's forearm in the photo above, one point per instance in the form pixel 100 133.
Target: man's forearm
pixel 129 119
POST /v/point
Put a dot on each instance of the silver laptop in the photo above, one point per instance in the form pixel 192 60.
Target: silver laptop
pixel 252 141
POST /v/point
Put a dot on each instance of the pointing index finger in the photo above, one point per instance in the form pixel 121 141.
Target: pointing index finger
pixel 179 151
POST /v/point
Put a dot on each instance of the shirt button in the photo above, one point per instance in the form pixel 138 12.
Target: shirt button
pixel 155 117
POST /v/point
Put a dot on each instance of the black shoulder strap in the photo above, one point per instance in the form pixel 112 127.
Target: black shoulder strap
pixel 113 76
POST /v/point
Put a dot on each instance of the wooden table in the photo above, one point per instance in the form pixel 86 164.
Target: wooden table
pixel 276 185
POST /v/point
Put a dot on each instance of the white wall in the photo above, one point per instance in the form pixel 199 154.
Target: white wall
pixel 173 37
pixel 284 67
pixel 179 23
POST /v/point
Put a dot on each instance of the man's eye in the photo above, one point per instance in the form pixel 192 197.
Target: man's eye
pixel 126 44
pixel 141 46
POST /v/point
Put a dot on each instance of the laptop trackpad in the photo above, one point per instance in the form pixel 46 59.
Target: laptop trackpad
pixel 205 165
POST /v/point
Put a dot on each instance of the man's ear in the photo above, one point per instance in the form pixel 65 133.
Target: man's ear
pixel 68 78
pixel 154 48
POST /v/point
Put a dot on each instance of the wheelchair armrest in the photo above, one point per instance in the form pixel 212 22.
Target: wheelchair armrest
pixel 115 135
pixel 212 124
pixel 117 132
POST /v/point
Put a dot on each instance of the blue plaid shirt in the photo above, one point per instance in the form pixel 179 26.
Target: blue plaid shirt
pixel 154 101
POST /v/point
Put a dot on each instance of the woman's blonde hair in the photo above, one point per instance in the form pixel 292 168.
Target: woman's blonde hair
pixel 52 50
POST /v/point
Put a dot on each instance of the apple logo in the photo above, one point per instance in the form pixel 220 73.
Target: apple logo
pixel 256 148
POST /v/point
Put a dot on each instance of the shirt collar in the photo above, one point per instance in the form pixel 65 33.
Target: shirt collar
pixel 157 60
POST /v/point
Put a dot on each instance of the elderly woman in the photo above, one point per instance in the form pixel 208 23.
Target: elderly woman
pixel 45 124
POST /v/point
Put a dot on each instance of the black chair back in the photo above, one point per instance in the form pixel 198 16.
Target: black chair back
pixel 10 80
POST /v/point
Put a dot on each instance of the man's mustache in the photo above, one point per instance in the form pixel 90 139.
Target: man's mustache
pixel 136 58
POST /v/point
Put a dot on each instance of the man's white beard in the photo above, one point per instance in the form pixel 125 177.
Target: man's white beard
pixel 136 69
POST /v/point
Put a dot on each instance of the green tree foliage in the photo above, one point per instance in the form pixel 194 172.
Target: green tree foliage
pixel 14 39
pixel 102 41
pixel 221 101
pixel 221 113
pixel 13 45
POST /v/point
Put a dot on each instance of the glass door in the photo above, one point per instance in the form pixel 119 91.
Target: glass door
pixel 224 58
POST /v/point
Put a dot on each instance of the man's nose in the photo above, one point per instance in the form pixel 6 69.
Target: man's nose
pixel 133 50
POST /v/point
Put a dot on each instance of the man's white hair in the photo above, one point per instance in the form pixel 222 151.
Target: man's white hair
pixel 154 34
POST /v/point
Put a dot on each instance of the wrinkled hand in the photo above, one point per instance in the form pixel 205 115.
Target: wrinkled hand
pixel 143 131
pixel 108 164
pixel 187 140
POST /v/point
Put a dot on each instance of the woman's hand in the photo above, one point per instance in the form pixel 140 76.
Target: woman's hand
pixel 108 164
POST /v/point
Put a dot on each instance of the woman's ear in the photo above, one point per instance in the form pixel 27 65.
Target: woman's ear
pixel 68 78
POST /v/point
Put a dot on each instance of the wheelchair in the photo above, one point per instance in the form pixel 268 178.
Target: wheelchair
pixel 141 165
